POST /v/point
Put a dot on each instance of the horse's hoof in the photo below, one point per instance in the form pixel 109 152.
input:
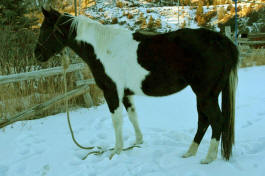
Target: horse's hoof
pixel 192 150
pixel 114 152
pixel 139 139
pixel 187 155
pixel 111 155
pixel 207 160
pixel 138 142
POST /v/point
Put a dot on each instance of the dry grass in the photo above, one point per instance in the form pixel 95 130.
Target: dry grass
pixel 256 58
pixel 119 4
pixel 17 97
pixel 221 13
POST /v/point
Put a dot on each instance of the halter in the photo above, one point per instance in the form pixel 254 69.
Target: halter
pixel 55 28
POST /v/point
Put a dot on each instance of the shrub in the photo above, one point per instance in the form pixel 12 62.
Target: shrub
pixel 150 23
pixel 13 12
pixel 221 13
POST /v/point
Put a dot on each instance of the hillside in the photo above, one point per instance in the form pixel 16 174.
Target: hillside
pixel 162 17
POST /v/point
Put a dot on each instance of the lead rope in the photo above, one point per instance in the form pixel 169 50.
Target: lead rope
pixel 65 63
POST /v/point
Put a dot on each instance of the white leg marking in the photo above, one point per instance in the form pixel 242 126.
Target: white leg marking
pixel 117 124
pixel 134 120
pixel 212 152
pixel 192 150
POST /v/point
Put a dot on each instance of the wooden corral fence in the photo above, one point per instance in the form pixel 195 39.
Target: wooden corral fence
pixel 82 89
pixel 247 42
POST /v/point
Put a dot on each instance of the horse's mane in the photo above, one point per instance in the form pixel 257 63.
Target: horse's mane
pixel 74 22
pixel 101 34
pixel 79 20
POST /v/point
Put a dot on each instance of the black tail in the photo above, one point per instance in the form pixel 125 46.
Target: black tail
pixel 228 111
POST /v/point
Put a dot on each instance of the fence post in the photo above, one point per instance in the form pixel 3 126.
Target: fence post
pixel 236 22
pixel 228 32
pixel 80 7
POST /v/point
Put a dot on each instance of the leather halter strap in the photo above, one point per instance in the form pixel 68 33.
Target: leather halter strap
pixel 55 29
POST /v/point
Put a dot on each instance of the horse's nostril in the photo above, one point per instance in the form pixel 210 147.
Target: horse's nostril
pixel 40 57
pixel 37 49
pixel 37 54
pixel 37 57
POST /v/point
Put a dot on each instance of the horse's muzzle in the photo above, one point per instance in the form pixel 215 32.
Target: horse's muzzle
pixel 39 56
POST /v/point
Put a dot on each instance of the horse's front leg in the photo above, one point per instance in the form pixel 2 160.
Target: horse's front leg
pixel 130 107
pixel 117 125
pixel 115 107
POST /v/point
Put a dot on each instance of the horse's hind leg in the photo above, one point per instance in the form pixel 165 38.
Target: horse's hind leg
pixel 203 124
pixel 129 105
pixel 209 106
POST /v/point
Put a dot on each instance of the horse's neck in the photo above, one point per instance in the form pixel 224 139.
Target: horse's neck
pixel 78 47
pixel 104 36
pixel 96 34
pixel 99 36
pixel 81 48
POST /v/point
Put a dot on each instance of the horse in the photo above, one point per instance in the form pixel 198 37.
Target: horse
pixel 126 63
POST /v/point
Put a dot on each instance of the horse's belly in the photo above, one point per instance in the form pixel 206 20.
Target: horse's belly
pixel 162 85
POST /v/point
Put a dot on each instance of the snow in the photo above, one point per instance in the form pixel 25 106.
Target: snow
pixel 44 147
pixel 167 14
pixel 171 17
pixel 106 10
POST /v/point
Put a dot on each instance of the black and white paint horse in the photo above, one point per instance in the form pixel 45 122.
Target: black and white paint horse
pixel 126 63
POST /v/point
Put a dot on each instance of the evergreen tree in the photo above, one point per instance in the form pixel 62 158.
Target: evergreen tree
pixel 13 12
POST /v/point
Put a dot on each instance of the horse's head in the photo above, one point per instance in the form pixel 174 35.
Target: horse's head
pixel 52 38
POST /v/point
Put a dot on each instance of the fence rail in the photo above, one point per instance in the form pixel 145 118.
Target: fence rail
pixel 82 89
pixel 245 44
pixel 254 35
pixel 40 107
pixel 38 74
pixel 250 42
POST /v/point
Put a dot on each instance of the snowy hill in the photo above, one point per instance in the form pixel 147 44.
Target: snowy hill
pixel 136 14
pixel 44 147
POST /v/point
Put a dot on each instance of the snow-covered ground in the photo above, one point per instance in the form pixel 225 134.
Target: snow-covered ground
pixel 44 147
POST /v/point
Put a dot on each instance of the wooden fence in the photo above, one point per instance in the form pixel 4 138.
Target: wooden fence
pixel 82 89
pixel 246 42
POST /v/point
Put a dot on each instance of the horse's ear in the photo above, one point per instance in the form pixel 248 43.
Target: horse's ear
pixel 45 12
pixel 50 14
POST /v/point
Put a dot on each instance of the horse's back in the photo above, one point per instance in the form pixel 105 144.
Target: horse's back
pixel 185 48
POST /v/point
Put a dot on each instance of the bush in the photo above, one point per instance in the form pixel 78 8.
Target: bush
pixel 16 52
pixel 13 12
pixel 221 13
